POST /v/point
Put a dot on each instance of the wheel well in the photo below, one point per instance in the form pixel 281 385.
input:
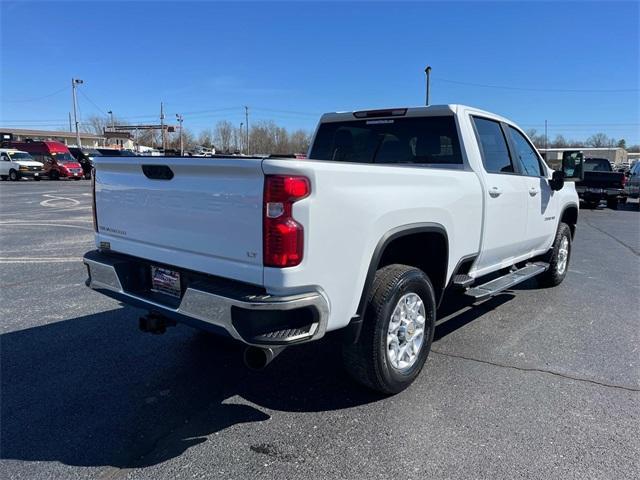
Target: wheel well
pixel 427 251
pixel 570 217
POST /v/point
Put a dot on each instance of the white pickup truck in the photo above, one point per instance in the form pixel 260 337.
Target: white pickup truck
pixel 392 208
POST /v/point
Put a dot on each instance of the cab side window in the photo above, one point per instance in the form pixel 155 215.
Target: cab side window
pixel 493 144
pixel 4 157
pixel 526 154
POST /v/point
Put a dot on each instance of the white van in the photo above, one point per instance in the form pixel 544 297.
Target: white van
pixel 15 164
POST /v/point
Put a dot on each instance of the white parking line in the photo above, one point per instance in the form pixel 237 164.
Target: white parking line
pixel 40 260
pixel 55 200
pixel 32 224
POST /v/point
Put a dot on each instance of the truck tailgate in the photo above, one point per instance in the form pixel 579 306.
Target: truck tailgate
pixel 602 180
pixel 207 217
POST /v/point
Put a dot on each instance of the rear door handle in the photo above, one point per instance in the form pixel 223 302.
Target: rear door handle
pixel 495 192
pixel 533 191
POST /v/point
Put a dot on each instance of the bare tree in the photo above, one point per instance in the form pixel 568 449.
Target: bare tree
pixel 299 141
pixel 222 136
pixel 634 149
pixel 205 138
pixel 94 124
pixel 539 141
pixel 598 140
pixel 559 142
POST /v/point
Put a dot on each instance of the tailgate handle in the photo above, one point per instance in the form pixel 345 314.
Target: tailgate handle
pixel 157 172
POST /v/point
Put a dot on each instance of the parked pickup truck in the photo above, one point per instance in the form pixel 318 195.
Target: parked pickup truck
pixel 601 183
pixel 392 208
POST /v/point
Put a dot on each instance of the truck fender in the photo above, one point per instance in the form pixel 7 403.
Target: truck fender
pixel 353 329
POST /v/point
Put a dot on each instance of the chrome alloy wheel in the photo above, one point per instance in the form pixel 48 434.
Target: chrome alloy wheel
pixel 563 256
pixel 405 335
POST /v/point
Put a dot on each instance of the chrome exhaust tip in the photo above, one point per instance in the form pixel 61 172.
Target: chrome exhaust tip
pixel 256 358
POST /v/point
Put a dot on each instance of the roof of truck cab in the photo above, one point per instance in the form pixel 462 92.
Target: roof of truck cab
pixel 421 111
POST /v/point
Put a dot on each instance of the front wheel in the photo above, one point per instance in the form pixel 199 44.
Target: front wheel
pixel 397 331
pixel 13 176
pixel 612 203
pixel 558 258
pixel 54 175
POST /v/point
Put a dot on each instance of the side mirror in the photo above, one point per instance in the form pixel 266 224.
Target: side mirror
pixel 572 165
pixel 557 180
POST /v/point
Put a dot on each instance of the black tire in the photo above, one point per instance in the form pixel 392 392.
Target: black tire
pixel 612 203
pixel 623 200
pixel 13 175
pixel 37 179
pixel 555 275
pixel 591 204
pixel 54 175
pixel 367 361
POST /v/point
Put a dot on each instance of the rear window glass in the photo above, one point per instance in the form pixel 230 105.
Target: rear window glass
pixel 495 152
pixel 597 165
pixel 424 140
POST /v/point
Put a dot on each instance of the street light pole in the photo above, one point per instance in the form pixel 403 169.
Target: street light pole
pixel 74 83
pixel 240 136
pixel 162 132
pixel 246 118
pixel 428 72
pixel 180 120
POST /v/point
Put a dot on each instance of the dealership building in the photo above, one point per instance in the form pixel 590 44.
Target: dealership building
pixel 88 140
pixel 616 155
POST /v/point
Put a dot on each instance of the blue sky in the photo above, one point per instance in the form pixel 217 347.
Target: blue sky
pixel 574 64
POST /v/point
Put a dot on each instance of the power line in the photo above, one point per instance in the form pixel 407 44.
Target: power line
pixel 92 102
pixel 580 124
pixel 528 89
pixel 35 99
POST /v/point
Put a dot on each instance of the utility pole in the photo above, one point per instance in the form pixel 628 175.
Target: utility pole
pixel 70 127
pixel 180 120
pixel 74 83
pixel 546 137
pixel 164 145
pixel 428 73
pixel 240 137
pixel 246 118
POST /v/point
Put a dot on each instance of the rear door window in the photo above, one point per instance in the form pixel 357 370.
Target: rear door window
pixel 526 154
pixel 413 140
pixel 493 144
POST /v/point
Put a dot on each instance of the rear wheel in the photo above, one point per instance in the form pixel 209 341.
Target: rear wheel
pixel 612 203
pixel 13 175
pixel 397 330
pixel 54 175
pixel 591 204
pixel 558 258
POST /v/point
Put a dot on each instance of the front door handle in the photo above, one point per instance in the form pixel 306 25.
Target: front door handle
pixel 495 192
pixel 533 191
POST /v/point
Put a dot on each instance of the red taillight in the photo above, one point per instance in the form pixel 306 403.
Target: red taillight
pixel 93 198
pixel 283 236
pixel 624 180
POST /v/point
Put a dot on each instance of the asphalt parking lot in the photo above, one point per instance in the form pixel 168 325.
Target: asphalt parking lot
pixel 535 383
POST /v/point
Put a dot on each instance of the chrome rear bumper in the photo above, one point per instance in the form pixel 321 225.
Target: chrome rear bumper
pixel 239 313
